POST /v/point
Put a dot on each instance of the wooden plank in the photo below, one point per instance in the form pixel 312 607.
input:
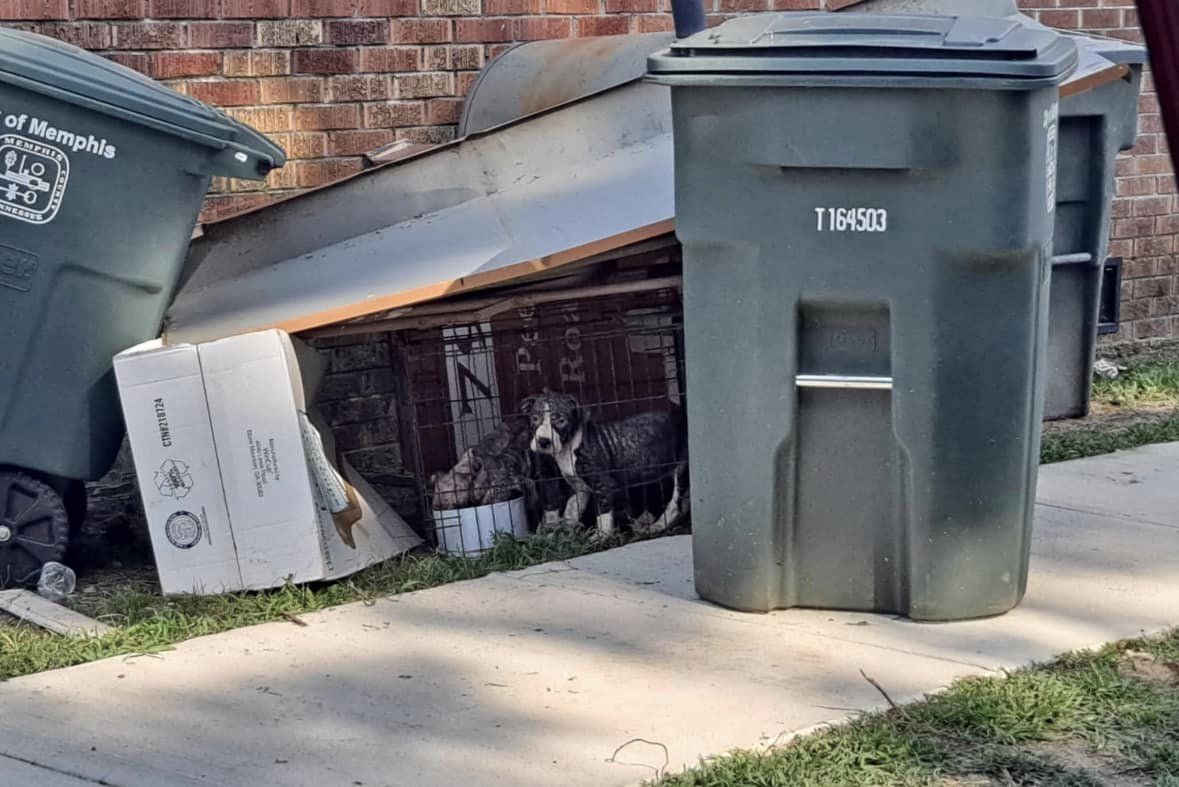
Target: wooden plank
pixel 30 607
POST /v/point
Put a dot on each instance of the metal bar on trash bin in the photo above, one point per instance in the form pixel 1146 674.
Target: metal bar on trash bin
pixel 1072 259
pixel 843 381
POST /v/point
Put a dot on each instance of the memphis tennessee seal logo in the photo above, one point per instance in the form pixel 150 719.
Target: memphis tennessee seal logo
pixel 183 529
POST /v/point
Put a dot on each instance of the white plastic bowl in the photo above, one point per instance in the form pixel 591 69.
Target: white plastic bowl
pixel 471 531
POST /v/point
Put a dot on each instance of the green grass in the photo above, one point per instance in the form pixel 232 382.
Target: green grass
pixel 146 622
pixel 1062 446
pixel 1152 388
pixel 1078 721
pixel 1150 384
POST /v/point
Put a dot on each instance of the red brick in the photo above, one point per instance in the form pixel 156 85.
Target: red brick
pixel 735 6
pixel 654 24
pixel 388 8
pixel 134 60
pixel 440 111
pixel 150 35
pixel 257 63
pixel 184 9
pixel 586 7
pixel 290 32
pixel 512 7
pixel 424 85
pixel 1101 19
pixel 451 8
pixel 453 58
pixel 265 119
pixel 324 61
pixel 1152 206
pixel 1121 248
pixel 360 87
pixel 233 93
pixel 1136 186
pixel 464 81
pixel 110 9
pixel 1153 287
pixel 1154 247
pixel 292 90
pixel 1064 19
pixel 356 143
pixel 335 8
pixel 390 59
pixel 1133 228
pixel 169 65
pixel 484 30
pixel 255 9
pixel 28 10
pixel 1137 269
pixel 219 208
pixel 358 31
pixel 392 114
pixel 794 5
pixel 603 25
pixel 423 31
pixel 319 171
pixel 427 135
pixel 538 28
pixel 221 35
pixel 88 35
pixel 1166 225
pixel 306 144
pixel 632 6
pixel 319 117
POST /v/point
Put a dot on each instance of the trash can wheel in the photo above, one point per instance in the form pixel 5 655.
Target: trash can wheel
pixel 34 527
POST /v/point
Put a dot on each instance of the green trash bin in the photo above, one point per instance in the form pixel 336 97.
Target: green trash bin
pixel 102 175
pixel 1098 119
pixel 866 208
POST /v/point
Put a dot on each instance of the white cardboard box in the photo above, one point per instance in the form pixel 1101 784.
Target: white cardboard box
pixel 217 433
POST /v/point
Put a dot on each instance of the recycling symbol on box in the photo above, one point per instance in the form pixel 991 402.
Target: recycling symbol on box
pixel 173 479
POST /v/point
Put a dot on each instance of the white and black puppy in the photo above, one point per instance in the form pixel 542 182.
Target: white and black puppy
pixel 600 461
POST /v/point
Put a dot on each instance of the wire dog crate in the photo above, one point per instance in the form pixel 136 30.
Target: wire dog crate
pixel 618 356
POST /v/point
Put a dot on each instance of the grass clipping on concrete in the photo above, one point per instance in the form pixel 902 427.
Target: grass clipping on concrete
pixel 1139 407
pixel 1103 718
pixel 146 622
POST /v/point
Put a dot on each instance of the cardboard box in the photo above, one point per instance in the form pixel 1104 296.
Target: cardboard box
pixel 237 471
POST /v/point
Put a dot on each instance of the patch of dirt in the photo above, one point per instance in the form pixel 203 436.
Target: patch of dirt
pixel 1148 667
pixel 1105 418
pixel 1102 768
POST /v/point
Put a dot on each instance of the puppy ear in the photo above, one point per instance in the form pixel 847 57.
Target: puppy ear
pixel 527 406
pixel 474 460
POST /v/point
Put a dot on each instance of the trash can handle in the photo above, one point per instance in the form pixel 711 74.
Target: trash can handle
pixel 238 161
pixel 843 381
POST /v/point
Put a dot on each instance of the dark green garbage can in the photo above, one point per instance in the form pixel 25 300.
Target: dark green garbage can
pixel 102 174
pixel 1098 119
pixel 866 208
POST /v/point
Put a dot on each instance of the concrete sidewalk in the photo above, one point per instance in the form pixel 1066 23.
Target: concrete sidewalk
pixel 539 677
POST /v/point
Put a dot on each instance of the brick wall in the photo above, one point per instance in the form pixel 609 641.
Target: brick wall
pixel 332 79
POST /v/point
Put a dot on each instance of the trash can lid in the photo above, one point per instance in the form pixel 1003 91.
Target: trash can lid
pixel 72 75
pixel 880 49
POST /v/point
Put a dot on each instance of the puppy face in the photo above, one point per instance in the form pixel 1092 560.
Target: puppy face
pixel 554 419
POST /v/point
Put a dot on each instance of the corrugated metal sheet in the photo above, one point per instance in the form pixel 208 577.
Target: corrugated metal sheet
pixel 540 75
pixel 531 196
